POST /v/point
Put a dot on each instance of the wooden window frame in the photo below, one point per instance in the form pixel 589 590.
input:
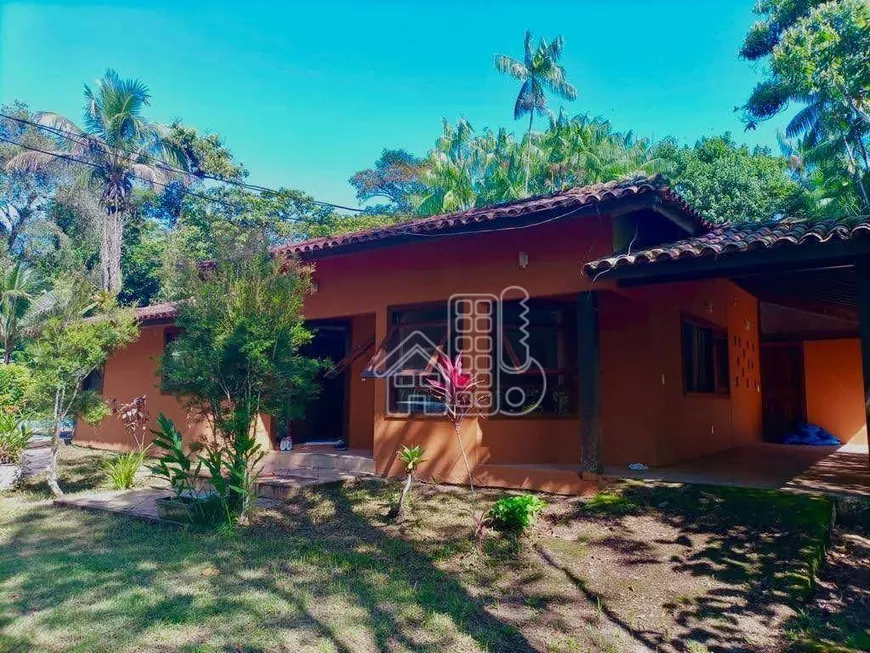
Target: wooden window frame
pixel 570 367
pixel 718 338
pixel 393 313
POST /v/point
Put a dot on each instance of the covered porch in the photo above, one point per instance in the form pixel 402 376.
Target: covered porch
pixel 838 471
pixel 812 283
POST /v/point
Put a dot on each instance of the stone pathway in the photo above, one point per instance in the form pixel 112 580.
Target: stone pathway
pixel 36 458
pixel 143 503
pixel 135 503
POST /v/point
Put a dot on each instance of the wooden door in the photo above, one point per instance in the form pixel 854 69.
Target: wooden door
pixel 782 382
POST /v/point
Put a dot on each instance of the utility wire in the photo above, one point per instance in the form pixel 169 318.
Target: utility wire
pixel 73 159
pixel 77 138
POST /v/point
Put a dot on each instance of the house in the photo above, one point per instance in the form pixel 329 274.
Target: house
pixel 610 323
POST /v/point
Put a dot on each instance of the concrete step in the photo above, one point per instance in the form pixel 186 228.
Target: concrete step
pixel 554 479
pixel 285 483
pixel 278 462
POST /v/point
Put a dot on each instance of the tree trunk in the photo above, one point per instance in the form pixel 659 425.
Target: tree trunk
pixel 458 429
pixel 110 251
pixel 403 498
pixel 52 475
pixel 529 152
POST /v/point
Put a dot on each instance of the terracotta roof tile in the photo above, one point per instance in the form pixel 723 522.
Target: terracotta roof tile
pixel 569 200
pixel 163 311
pixel 729 239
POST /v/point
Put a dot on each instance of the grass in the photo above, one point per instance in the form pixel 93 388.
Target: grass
pixel 328 571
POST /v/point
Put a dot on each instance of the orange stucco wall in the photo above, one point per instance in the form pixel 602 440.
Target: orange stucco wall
pixel 835 388
pixel 433 269
pixel 646 416
pixel 132 372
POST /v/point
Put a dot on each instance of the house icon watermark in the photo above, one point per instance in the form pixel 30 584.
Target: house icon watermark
pixel 511 382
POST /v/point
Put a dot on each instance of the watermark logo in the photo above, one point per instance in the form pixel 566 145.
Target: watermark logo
pixel 493 346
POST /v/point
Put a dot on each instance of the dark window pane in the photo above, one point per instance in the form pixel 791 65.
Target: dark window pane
pixel 549 338
pixel 705 358
pixel 93 382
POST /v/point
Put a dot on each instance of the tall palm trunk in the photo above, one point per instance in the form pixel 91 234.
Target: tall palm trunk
pixel 529 152
pixel 110 250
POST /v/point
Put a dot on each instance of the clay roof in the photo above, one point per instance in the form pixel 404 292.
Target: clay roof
pixel 155 312
pixel 730 239
pixel 570 200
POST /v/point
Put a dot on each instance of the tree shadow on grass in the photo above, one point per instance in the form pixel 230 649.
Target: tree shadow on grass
pixel 760 547
pixel 80 469
pixel 309 571
pixel 839 613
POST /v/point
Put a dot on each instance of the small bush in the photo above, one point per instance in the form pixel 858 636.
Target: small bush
pixel 515 514
pixel 122 469
pixel 15 380
pixel 14 436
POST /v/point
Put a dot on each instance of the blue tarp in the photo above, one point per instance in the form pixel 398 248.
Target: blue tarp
pixel 810 434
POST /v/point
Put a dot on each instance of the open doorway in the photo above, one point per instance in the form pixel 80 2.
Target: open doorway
pixel 782 380
pixel 325 418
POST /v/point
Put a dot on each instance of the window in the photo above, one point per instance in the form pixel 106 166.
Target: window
pixel 550 338
pixel 93 382
pixel 705 358
pixel 170 335
pixel 408 355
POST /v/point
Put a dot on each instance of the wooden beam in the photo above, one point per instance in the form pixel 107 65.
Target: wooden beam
pixel 862 279
pixel 589 363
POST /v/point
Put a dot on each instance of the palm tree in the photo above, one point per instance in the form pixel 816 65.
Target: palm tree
pixel 538 71
pixel 22 302
pixel 119 148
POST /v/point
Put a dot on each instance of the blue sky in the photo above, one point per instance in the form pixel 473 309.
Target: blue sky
pixel 307 93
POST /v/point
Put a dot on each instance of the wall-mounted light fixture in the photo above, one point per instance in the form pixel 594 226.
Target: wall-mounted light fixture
pixel 523 260
pixel 314 287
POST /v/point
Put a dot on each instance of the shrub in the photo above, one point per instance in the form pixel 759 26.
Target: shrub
pixel 239 356
pixel 14 436
pixel 515 514
pixel 122 469
pixel 176 465
pixel 14 384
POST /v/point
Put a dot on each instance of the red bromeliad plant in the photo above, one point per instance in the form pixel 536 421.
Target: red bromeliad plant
pixel 455 387
pixel 135 416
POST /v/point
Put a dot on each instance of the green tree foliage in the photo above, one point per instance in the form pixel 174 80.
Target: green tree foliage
pixel 817 54
pixel 395 177
pixel 74 341
pixel 206 154
pixel 22 302
pixel 122 149
pixel 539 71
pixel 25 196
pixel 239 355
pixel 728 182
pixel 724 180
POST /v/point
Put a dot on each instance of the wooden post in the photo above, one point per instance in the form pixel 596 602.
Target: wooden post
pixel 862 283
pixel 589 363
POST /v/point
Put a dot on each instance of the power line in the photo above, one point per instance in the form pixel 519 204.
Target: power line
pixel 73 159
pixel 72 136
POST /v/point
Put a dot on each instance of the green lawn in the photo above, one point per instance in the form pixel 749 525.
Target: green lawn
pixel 327 571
